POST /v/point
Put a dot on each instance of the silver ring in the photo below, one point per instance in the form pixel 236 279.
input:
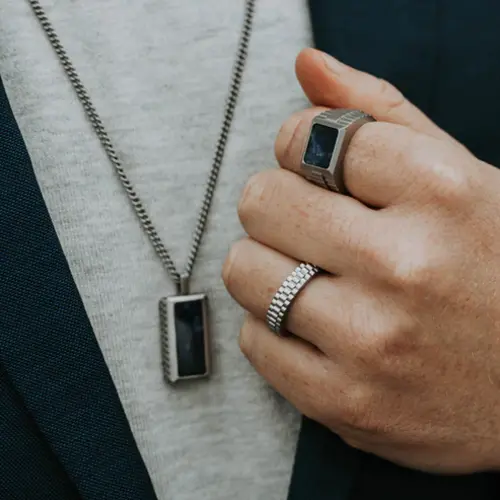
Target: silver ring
pixel 329 137
pixel 286 294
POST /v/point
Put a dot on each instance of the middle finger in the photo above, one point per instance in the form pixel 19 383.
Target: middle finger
pixel 283 211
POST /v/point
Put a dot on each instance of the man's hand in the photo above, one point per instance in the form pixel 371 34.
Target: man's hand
pixel 398 349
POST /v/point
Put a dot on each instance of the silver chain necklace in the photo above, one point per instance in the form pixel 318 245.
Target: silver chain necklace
pixel 184 317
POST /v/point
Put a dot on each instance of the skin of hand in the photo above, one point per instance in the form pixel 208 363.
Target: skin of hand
pixel 396 347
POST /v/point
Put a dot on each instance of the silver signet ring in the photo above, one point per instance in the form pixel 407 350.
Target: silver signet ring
pixel 329 137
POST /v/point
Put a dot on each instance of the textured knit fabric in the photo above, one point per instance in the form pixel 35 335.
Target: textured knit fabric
pixel 62 427
pixel 158 71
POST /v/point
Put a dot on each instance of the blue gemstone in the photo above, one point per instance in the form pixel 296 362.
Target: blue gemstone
pixel 190 338
pixel 321 145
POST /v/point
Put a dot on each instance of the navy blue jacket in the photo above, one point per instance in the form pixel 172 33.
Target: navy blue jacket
pixel 63 432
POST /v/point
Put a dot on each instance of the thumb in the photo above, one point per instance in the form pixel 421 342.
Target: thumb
pixel 328 82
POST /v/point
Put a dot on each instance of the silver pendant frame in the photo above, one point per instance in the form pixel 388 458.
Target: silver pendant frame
pixel 169 336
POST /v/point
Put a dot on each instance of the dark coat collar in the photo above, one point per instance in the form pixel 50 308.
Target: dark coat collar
pixel 47 346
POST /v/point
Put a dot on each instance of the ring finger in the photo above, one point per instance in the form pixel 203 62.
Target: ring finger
pixel 330 312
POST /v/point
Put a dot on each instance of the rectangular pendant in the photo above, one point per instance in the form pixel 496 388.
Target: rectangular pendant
pixel 185 337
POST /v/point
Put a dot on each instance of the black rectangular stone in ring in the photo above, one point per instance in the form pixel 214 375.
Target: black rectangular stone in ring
pixel 321 145
pixel 185 337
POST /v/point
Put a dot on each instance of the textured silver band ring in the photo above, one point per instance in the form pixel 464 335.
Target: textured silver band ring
pixel 286 294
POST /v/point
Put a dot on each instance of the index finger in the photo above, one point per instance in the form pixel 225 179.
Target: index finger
pixel 385 164
pixel 328 82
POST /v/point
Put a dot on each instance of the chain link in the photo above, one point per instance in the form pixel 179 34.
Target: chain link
pixel 102 134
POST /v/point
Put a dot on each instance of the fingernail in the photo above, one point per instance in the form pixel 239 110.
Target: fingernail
pixel 334 65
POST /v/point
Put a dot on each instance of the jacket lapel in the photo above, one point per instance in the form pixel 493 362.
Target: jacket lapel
pixel 395 40
pixel 28 467
pixel 47 345
pixel 325 467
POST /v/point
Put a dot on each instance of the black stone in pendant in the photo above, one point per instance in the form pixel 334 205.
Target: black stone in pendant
pixel 185 337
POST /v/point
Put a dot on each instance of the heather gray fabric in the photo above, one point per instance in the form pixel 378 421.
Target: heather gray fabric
pixel 158 72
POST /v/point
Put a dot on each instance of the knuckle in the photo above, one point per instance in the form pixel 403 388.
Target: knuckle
pixel 364 416
pixel 230 266
pixel 411 274
pixel 357 408
pixel 452 186
pixel 251 192
pixel 245 341
pixel 369 255
pixel 439 174
pixel 383 344
pixel 392 97
pixel 420 272
pixel 285 143
pixel 422 275
pixel 256 195
pixel 412 261
pixel 412 268
pixel 390 344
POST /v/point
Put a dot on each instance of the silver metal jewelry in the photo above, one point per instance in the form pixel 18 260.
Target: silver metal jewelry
pixel 185 339
pixel 286 294
pixel 330 135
